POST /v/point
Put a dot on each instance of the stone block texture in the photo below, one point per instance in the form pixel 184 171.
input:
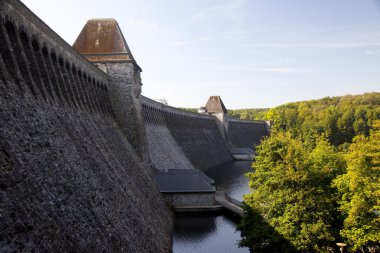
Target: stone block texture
pixel 163 149
pixel 191 199
pixel 70 181
pixel 195 135
pixel 246 134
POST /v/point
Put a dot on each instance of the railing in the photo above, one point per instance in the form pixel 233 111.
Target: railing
pixel 229 203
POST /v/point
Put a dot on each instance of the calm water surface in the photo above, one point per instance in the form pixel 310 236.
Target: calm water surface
pixel 230 178
pixel 205 233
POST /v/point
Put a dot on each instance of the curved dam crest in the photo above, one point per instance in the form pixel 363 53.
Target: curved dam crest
pixel 184 136
pixel 80 148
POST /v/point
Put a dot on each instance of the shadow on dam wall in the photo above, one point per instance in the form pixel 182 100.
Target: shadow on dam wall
pixel 244 133
pixel 69 178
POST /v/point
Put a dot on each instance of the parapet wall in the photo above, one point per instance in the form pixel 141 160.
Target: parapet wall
pixel 196 135
pixel 70 181
pixel 246 134
pixel 44 66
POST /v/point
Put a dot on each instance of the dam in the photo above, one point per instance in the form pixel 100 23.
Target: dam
pixel 86 162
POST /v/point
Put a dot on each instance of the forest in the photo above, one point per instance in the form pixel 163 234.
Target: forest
pixel 248 114
pixel 316 179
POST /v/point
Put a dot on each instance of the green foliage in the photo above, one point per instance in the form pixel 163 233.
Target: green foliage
pixel 249 114
pixel 255 229
pixel 291 189
pixel 317 177
pixel 360 191
pixel 340 119
pixel 189 109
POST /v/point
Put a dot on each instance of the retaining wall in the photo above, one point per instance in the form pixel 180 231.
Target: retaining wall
pixel 199 199
pixel 246 134
pixel 69 179
pixel 196 135
pixel 163 149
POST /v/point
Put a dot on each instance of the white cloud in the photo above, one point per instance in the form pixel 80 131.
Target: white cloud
pixel 274 70
pixel 179 43
pixel 188 84
pixel 280 70
pixel 140 24
pixel 372 52
pixel 305 37
pixel 204 38
pixel 229 10
pixel 327 45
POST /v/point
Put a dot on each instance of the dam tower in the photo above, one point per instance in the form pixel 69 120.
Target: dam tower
pixel 102 43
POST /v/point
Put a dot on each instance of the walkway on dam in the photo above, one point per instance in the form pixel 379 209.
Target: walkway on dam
pixel 229 203
pixel 222 202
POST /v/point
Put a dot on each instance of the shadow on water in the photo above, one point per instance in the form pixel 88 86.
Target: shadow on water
pixel 259 236
pixel 217 232
pixel 231 178
pixel 206 233
pixel 256 233
pixel 199 225
pixel 223 232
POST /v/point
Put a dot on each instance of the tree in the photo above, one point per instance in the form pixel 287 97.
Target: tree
pixel 360 191
pixel 303 195
pixel 338 118
pixel 291 190
pixel 248 114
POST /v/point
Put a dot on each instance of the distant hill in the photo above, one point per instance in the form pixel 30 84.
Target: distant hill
pixel 189 109
pixel 338 118
pixel 249 113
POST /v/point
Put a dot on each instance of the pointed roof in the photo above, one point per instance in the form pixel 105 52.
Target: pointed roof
pixel 215 105
pixel 101 40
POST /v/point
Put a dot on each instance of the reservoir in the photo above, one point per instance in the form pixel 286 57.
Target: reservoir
pixel 204 232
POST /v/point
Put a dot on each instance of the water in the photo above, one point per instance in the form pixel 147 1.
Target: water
pixel 206 233
pixel 230 177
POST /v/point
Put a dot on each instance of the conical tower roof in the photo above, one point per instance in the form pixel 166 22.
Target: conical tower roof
pixel 101 40
pixel 215 105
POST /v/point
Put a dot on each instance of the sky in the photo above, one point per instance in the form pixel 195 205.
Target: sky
pixel 252 53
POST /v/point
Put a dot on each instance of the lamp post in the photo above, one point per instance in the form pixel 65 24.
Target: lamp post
pixel 341 246
pixel 330 249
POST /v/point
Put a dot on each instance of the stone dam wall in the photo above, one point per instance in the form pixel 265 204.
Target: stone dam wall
pixel 163 149
pixel 176 136
pixel 70 181
pixel 246 134
pixel 79 147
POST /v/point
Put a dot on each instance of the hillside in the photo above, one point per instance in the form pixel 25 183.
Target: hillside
pixel 339 119
pixel 317 178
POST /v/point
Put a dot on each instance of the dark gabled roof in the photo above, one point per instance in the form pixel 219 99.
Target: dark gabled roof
pixel 215 105
pixel 186 180
pixel 101 40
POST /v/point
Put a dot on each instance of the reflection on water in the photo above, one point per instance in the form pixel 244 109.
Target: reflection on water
pixel 200 233
pixel 197 233
pixel 230 177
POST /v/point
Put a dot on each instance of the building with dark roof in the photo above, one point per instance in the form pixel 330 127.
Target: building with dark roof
pixel 189 187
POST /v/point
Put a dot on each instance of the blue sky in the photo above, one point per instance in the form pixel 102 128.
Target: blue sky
pixel 252 53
